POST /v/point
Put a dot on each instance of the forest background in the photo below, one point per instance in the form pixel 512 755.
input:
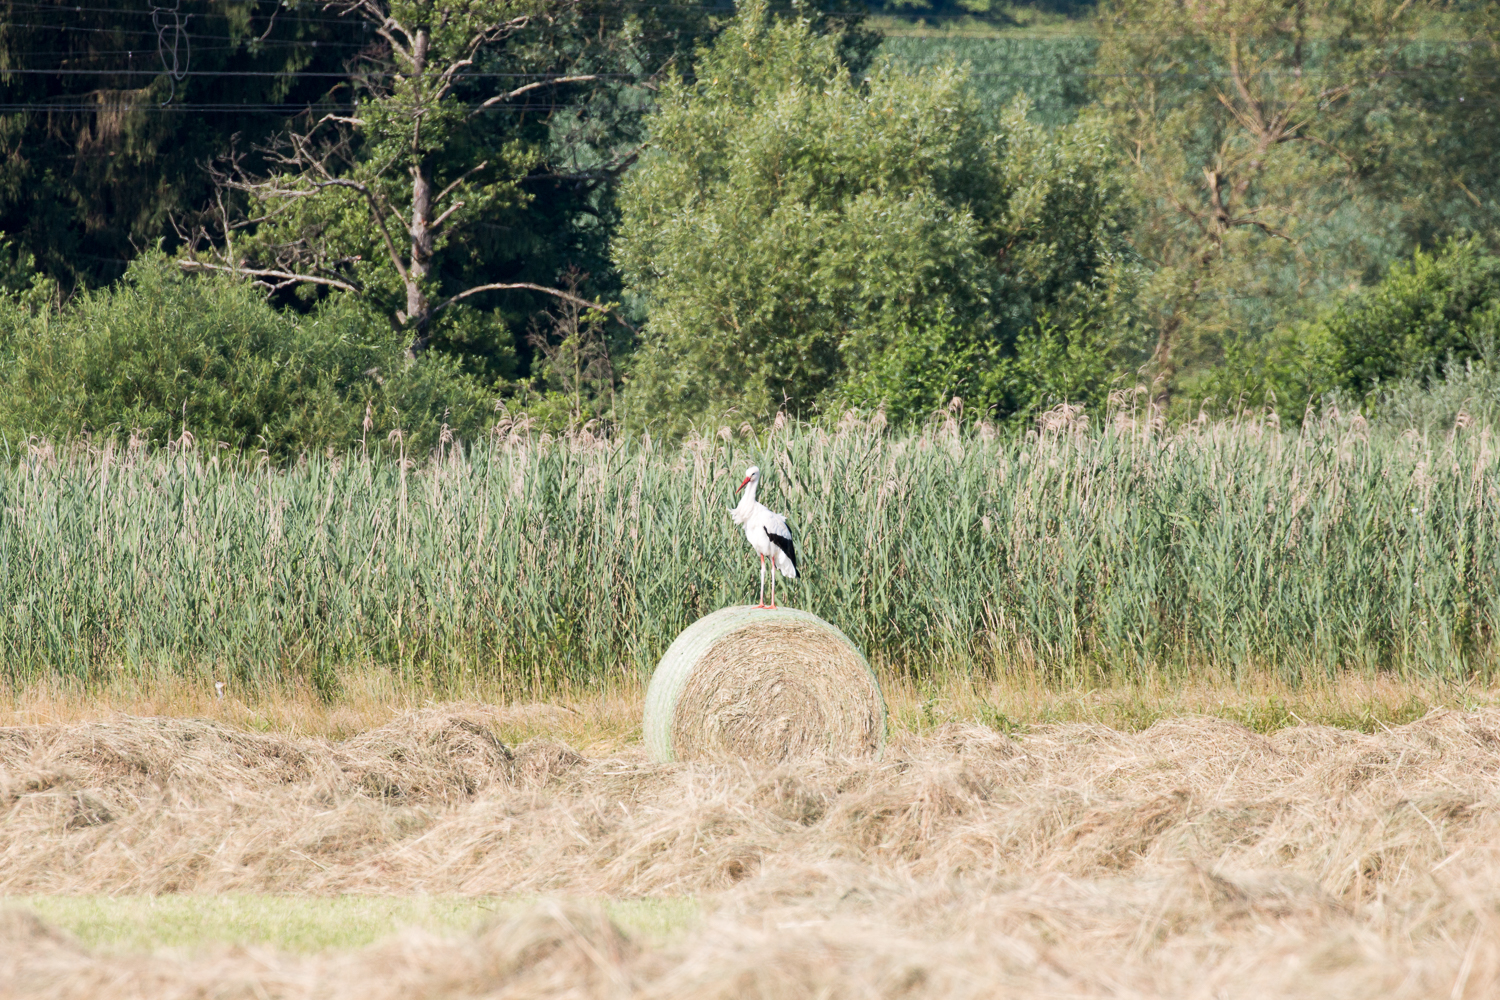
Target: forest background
pixel 290 227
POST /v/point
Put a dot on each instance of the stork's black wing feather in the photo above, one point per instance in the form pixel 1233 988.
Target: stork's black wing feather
pixel 784 543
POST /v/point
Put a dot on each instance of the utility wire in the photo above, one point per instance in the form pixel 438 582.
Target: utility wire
pixel 642 5
pixel 289 110
pixel 289 74
pixel 1002 37
pixel 294 110
pixel 723 8
pixel 177 54
pixel 1026 74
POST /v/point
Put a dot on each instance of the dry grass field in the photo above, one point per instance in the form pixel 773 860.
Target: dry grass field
pixel 1151 841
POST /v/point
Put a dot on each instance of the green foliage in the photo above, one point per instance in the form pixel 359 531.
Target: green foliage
pixel 805 229
pixel 1077 552
pixel 1440 309
pixel 97 159
pixel 20 279
pixel 1285 150
pixel 160 354
pixel 573 376
pixel 1430 320
pixel 1055 72
pixel 1076 357
pixel 920 368
pixel 1465 395
pixel 805 241
pixel 477 156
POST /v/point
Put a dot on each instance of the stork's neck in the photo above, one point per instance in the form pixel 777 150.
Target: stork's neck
pixel 746 504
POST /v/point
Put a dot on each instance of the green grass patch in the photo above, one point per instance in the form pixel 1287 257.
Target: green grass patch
pixel 1054 71
pixel 308 923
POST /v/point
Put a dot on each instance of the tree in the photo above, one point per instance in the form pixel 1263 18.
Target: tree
pixel 1266 138
pixel 807 240
pixel 111 108
pixel 465 116
pixel 571 367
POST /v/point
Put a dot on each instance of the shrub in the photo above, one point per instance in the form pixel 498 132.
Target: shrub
pixel 161 352
pixel 1432 322
pixel 1438 310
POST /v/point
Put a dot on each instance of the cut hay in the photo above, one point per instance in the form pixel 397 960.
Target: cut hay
pixel 767 685
pixel 1193 859
pixel 424 805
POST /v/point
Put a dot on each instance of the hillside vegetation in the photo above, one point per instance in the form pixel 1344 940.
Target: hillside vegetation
pixel 668 217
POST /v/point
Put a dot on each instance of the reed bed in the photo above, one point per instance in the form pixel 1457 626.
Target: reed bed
pixel 529 562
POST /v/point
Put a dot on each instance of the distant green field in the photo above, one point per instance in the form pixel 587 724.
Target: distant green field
pixel 1053 70
pixel 305 923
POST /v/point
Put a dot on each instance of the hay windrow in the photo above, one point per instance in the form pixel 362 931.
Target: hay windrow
pixel 763 685
pixel 436 801
pixel 1194 858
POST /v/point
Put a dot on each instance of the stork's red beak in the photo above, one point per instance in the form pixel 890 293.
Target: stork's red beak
pixel 742 485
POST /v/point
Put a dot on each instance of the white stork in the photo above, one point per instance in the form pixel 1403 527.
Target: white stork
pixel 768 535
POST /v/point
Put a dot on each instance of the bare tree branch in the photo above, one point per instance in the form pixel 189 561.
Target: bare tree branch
pixel 1268 230
pixel 513 94
pixel 481 39
pixel 424 57
pixel 386 26
pixel 437 224
pixel 528 286
pixel 256 272
pixel 1257 122
pixel 445 192
pixel 269 25
pixel 378 210
pixel 598 173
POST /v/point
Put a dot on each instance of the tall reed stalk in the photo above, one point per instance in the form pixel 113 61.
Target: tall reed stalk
pixel 537 562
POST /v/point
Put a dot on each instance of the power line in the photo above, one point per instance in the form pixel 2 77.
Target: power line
pixel 712 8
pixel 939 41
pixel 727 9
pixel 290 110
pixel 245 42
pixel 66 9
pixel 999 36
pixel 283 43
pixel 293 74
pixel 1005 74
pixel 294 110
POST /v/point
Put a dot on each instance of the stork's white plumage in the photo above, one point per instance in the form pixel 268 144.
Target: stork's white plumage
pixel 768 535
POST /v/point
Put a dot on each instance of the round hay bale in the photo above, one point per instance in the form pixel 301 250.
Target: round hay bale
pixel 765 684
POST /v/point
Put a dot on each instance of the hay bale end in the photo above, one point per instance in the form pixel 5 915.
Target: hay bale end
pixel 764 684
